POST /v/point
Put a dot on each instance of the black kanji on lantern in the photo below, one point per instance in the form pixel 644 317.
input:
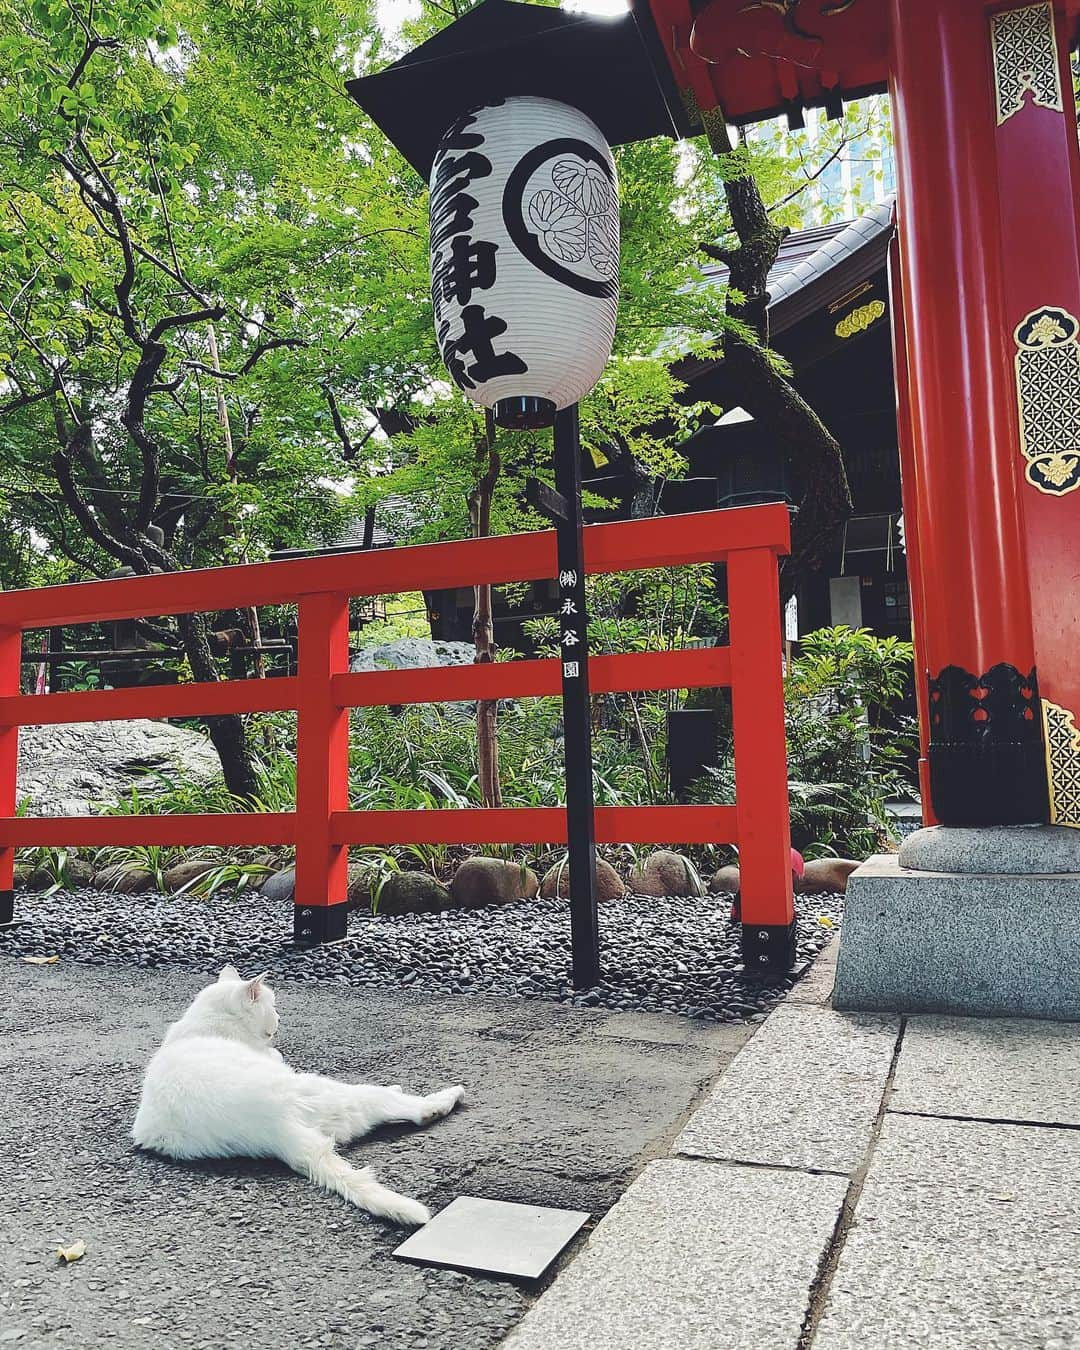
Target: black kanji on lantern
pixel 470 267
pixel 477 339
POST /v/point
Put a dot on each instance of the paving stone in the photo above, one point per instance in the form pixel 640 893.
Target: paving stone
pixel 1005 1069
pixel 695 1256
pixel 803 1093
pixel 965 1238
pixel 665 1029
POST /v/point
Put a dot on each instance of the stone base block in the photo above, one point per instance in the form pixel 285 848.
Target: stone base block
pixel 976 944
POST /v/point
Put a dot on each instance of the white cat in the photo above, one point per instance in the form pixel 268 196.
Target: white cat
pixel 218 1088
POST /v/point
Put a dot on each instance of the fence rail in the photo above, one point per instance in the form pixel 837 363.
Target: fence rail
pixel 748 540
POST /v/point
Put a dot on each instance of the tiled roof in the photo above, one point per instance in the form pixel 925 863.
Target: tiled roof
pixel 814 268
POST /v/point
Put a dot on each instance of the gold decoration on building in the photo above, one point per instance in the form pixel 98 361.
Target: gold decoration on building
pixel 1048 389
pixel 1062 764
pixel 859 320
pixel 1025 49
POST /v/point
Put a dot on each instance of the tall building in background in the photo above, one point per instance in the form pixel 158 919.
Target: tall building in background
pixel 849 166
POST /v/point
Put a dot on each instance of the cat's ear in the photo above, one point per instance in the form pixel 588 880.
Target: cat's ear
pixel 228 973
pixel 256 986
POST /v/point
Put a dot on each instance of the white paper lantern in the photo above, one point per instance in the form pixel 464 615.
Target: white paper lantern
pixel 524 232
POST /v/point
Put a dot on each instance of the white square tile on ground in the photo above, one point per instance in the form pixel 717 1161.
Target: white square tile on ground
pixel 493 1236
pixel 964 1238
pixel 1006 1069
pixel 805 1092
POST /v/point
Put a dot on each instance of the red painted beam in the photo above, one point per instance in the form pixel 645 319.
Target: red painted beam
pixel 181 700
pixel 697 669
pixel 123 831
pixel 662 541
pixel 537 825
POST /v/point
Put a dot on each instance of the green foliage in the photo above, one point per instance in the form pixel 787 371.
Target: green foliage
pixel 844 736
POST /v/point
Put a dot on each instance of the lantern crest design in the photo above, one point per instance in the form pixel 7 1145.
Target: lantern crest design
pixel 524 232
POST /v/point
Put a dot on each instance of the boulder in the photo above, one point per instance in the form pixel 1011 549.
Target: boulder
pixel 186 873
pixel 361 880
pixel 725 881
pixel 125 880
pixel 664 874
pixel 609 885
pixel 413 653
pixel 824 876
pixel 413 893
pixel 67 770
pixel 492 881
pixel 279 886
pixel 78 872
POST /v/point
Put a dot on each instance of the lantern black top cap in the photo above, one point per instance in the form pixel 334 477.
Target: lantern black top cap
pixel 501 49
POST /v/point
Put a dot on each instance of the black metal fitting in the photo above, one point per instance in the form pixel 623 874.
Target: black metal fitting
pixel 315 924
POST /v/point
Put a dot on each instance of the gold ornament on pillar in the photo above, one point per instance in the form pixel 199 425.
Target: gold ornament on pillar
pixel 1025 59
pixel 1063 764
pixel 1048 389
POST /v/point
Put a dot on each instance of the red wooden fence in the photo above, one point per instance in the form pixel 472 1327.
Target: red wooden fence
pixel 749 540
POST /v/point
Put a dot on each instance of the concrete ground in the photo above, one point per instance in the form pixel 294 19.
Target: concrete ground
pixel 852 1183
pixel 564 1108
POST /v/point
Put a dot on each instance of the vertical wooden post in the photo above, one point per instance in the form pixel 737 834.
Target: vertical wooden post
pixel 761 780
pixel 577 729
pixel 10 657
pixel 322 771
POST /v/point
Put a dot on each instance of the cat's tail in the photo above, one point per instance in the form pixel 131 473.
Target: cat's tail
pixel 313 1156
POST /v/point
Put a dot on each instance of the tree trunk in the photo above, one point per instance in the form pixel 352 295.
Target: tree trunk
pixel 812 452
pixel 226 732
pixel 483 629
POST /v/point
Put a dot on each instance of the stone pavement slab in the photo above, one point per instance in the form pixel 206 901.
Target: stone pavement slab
pixel 1006 1069
pixel 965 1237
pixel 219 1254
pixel 696 1256
pixel 804 1092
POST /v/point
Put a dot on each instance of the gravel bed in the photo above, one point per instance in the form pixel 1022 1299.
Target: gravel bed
pixel 673 955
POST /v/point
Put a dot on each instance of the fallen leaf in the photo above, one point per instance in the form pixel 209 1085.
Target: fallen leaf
pixel 1002 1197
pixel 75 1252
pixel 41 960
pixel 825 921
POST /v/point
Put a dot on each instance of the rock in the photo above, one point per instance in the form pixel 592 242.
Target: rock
pixel 23 873
pixel 725 881
pixel 492 881
pixel 666 874
pixel 185 873
pixel 361 879
pixel 826 876
pixel 412 653
pixel 609 885
pixel 413 893
pixel 279 886
pixel 124 880
pixel 78 872
pixel 66 770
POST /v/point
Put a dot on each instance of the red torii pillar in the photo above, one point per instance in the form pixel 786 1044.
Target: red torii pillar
pixel 989 347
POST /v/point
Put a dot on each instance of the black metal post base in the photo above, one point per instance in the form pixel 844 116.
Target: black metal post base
pixel 7 907
pixel 989 785
pixel 316 924
pixel 769 952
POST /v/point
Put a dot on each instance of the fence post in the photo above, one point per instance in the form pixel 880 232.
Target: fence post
pixel 322 770
pixel 10 665
pixel 761 778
